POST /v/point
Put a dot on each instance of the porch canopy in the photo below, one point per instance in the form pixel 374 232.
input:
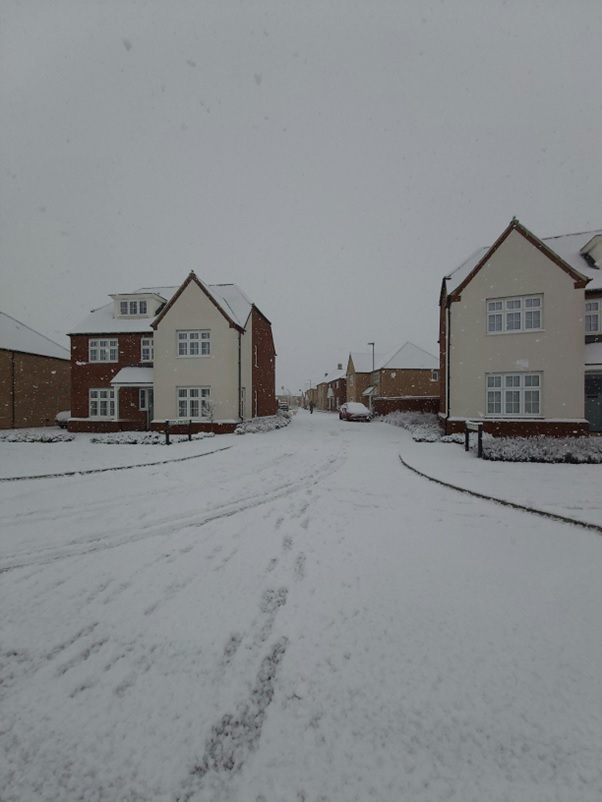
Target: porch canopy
pixel 133 377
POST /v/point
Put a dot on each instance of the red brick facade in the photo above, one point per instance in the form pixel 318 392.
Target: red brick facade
pixel 264 400
pixel 86 375
pixel 33 389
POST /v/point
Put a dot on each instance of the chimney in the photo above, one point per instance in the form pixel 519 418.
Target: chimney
pixel 340 366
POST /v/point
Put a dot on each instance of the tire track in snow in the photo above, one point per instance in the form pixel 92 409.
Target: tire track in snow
pixel 166 525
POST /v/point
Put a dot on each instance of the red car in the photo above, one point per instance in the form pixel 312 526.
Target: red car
pixel 353 410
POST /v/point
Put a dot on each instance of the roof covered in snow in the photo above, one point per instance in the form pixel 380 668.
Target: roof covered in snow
pixel 228 297
pixel 566 246
pixel 336 375
pixel 16 336
pixel 409 357
pixel 363 362
pixel 134 377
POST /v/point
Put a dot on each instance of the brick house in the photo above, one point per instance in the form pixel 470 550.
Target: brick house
pixel 520 332
pixel 332 391
pixel 406 379
pixel 358 373
pixel 199 356
pixel 34 376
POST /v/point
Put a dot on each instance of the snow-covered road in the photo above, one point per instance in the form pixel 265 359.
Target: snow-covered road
pixel 295 619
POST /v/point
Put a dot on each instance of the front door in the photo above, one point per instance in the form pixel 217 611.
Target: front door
pixel 593 401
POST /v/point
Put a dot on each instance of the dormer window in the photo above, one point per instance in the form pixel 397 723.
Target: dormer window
pixel 133 308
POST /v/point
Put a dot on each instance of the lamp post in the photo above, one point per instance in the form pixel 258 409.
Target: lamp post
pixel 371 377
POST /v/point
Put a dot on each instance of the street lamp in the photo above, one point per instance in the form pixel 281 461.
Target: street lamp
pixel 372 344
pixel 371 378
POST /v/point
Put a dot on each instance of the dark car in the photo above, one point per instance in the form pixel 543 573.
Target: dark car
pixel 353 410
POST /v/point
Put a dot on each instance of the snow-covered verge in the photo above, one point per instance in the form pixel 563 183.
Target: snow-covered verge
pixel 268 424
pixel 424 428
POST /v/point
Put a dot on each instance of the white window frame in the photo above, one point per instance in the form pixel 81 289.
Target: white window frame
pixel 147 344
pixel 193 402
pixel 193 343
pixel 143 395
pixel 101 403
pixel 435 375
pixel 133 308
pixel 592 316
pixel 103 350
pixel 513 395
pixel 514 315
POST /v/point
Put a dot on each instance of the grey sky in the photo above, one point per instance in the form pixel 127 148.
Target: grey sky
pixel 334 159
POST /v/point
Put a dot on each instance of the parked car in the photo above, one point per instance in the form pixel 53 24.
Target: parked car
pixel 62 418
pixel 353 410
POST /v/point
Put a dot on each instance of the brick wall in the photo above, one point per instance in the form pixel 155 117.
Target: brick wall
pixel 32 389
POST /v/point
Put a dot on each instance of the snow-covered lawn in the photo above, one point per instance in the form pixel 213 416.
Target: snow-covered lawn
pixel 296 617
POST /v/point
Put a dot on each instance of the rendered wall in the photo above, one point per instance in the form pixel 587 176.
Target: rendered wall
pixel 518 268
pixel 193 309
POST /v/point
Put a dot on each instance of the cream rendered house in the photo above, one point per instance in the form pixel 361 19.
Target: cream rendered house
pixel 512 335
pixel 195 358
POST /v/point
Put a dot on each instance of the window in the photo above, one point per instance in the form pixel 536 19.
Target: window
pixel 193 402
pixel 133 307
pixel 434 375
pixel 194 343
pixel 147 351
pixel 514 314
pixel 144 398
pixel 514 394
pixel 592 317
pixel 102 403
pixel 103 350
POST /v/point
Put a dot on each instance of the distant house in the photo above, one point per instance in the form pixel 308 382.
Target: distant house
pixel 358 374
pixel 198 356
pixel 34 376
pixel 405 379
pixel 331 392
pixel 520 336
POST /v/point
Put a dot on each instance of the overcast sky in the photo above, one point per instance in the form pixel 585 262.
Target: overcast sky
pixel 333 159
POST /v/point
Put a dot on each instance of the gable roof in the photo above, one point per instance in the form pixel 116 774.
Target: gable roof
pixel 229 299
pixel 563 251
pixel 362 363
pixel 409 357
pixel 336 375
pixel 16 336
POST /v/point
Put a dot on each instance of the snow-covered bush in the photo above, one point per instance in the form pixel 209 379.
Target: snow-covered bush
pixel 268 424
pixel 423 426
pixel 145 438
pixel 544 449
pixel 36 437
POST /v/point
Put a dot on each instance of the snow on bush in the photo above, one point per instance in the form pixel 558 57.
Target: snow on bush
pixel 423 426
pixel 267 424
pixel 544 449
pixel 145 438
pixel 36 437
